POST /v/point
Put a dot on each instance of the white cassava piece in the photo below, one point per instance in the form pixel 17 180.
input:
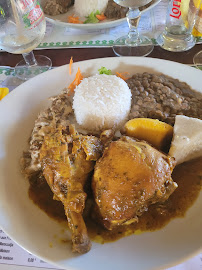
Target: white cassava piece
pixel 187 139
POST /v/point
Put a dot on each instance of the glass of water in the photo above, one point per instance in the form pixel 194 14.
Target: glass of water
pixel 22 28
pixel 181 16
pixel 133 44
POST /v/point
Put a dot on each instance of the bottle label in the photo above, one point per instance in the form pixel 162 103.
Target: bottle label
pixel 26 4
pixel 175 12
pixel 34 15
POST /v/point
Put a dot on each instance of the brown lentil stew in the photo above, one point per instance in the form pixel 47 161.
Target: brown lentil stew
pixel 161 97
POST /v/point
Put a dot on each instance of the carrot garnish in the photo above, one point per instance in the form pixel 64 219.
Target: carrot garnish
pixel 122 75
pixel 101 17
pixel 70 65
pixel 73 19
pixel 76 81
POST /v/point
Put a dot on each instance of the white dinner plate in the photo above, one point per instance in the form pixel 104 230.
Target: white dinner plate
pixel 61 20
pixel 32 229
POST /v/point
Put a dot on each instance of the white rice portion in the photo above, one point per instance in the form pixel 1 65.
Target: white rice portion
pixel 102 102
pixel 84 7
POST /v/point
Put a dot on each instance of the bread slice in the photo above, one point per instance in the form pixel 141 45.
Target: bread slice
pixel 187 139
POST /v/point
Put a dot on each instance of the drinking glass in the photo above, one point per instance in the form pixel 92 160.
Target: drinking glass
pixel 133 44
pixel 198 60
pixel 181 17
pixel 22 27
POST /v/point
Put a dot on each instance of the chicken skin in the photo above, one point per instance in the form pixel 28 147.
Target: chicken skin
pixel 67 159
pixel 129 177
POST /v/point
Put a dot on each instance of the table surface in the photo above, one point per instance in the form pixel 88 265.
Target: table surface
pixel 61 57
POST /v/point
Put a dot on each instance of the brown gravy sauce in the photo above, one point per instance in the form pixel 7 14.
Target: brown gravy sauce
pixel 188 177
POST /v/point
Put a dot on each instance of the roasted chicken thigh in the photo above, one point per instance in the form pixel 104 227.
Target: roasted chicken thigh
pixel 129 177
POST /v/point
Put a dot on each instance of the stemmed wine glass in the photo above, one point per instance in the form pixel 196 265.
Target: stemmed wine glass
pixel 22 27
pixel 198 60
pixel 133 44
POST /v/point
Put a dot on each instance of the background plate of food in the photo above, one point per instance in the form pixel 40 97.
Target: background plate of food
pixel 132 220
pixel 87 14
